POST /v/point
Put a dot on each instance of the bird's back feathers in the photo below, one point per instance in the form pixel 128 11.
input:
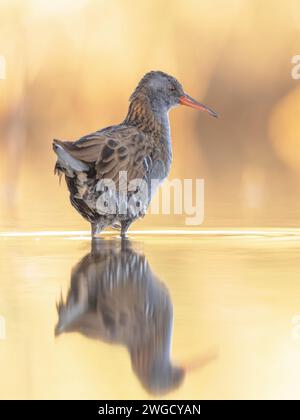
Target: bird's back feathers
pixel 109 152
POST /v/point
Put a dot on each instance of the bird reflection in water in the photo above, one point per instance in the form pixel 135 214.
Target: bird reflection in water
pixel 115 297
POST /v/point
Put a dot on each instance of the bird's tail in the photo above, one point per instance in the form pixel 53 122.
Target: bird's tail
pixel 64 159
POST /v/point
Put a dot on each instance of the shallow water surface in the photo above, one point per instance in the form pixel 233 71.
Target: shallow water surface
pixel 211 314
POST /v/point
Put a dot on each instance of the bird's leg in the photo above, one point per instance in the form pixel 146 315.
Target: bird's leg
pixel 95 229
pixel 96 245
pixel 124 227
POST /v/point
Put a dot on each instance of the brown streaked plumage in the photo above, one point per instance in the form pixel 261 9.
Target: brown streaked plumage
pixel 139 147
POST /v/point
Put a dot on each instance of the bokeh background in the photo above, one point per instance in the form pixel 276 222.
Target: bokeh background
pixel 72 64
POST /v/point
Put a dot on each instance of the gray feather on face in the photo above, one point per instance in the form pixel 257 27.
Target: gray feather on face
pixel 161 89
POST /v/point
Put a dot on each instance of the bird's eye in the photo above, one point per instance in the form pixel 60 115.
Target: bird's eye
pixel 172 88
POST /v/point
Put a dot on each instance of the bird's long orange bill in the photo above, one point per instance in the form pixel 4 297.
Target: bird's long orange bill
pixel 189 101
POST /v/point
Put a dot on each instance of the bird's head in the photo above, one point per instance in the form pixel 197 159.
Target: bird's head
pixel 165 92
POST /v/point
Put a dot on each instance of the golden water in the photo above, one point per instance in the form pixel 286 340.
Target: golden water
pixel 235 297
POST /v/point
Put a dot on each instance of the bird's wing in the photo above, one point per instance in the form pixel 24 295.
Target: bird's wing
pixel 130 152
pixel 113 150
pixel 87 148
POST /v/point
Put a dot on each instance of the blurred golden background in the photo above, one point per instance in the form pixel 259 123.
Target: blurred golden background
pixel 71 66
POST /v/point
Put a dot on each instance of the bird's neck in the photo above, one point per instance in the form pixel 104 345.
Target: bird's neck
pixel 148 117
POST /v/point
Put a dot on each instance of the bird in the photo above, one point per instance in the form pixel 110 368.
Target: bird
pixel 113 173
pixel 115 297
